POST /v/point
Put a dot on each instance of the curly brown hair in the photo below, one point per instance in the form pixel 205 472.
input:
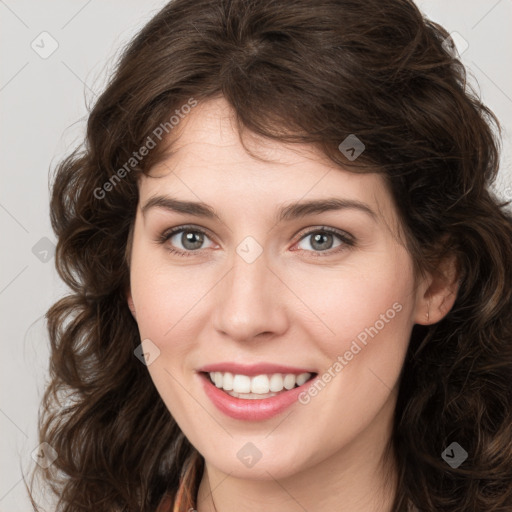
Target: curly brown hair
pixel 296 71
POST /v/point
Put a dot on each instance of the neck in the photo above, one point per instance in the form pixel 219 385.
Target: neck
pixel 360 477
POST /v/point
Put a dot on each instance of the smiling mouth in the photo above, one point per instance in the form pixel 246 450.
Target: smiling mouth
pixel 259 386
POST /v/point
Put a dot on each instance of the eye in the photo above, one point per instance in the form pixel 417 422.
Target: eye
pixel 190 238
pixel 187 240
pixel 324 239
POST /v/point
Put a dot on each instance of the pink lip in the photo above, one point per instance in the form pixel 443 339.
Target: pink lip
pixel 252 369
pixel 251 410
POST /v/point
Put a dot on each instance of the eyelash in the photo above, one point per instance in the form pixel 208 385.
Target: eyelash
pixel 346 239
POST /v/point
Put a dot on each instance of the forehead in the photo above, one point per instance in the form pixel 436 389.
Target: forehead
pixel 208 163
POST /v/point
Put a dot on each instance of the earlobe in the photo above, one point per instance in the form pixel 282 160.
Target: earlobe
pixel 131 305
pixel 438 294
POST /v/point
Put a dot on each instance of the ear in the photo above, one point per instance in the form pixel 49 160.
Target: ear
pixel 131 305
pixel 437 292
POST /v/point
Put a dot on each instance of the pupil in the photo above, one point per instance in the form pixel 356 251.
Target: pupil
pixel 188 237
pixel 318 237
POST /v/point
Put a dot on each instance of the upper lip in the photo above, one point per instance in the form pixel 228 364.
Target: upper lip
pixel 252 369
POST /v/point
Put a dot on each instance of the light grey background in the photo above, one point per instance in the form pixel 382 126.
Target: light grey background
pixel 43 113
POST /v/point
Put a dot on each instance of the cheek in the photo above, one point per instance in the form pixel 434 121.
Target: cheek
pixel 164 301
pixel 167 303
pixel 158 295
pixel 369 304
pixel 369 311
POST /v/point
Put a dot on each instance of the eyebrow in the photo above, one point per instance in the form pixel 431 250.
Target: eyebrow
pixel 286 213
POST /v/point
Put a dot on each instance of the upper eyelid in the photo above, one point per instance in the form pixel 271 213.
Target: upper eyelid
pixel 334 231
pixel 173 231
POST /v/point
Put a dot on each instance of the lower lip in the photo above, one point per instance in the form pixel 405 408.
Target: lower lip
pixel 251 410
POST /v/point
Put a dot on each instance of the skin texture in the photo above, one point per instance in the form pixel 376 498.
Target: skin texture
pixel 287 307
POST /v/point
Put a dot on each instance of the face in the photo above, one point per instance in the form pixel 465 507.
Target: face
pixel 326 291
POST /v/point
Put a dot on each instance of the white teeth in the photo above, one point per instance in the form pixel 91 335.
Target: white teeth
pixel 241 383
pixel 276 382
pixel 227 381
pixel 257 385
pixel 289 381
pixel 303 377
pixel 260 385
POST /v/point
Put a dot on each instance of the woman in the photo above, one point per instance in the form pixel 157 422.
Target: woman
pixel 337 335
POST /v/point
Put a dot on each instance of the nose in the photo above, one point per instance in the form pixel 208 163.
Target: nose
pixel 250 301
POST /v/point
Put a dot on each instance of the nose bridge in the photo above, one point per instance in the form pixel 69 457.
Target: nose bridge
pixel 249 301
